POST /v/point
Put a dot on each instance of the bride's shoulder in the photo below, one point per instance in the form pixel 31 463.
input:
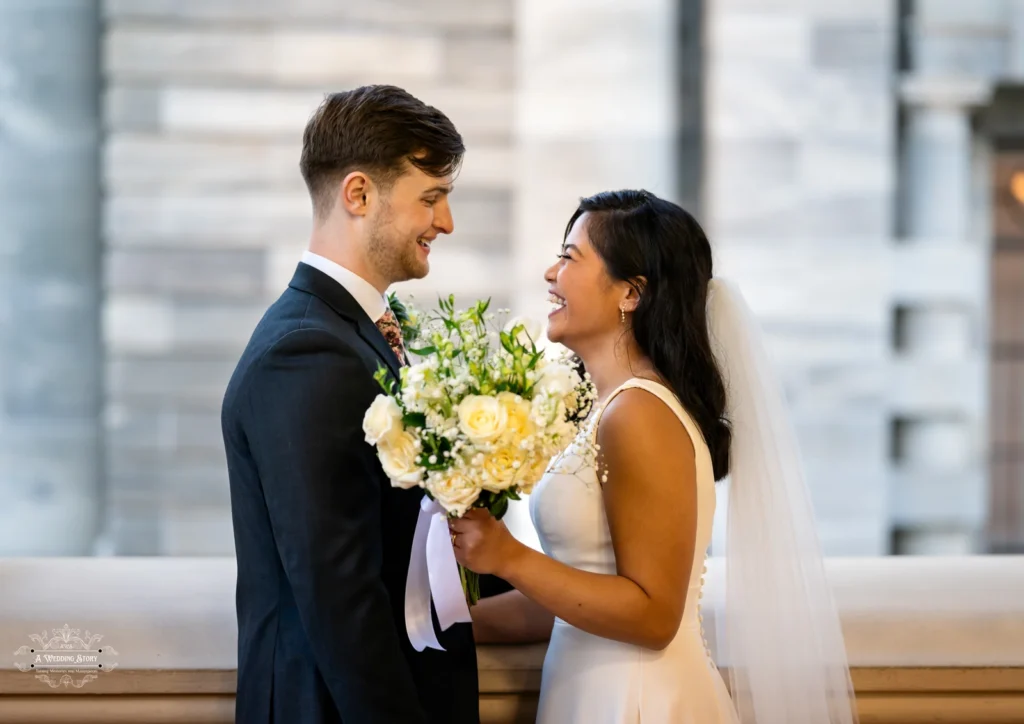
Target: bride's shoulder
pixel 640 439
pixel 637 419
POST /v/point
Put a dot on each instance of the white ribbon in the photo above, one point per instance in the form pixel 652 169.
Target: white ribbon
pixel 433 573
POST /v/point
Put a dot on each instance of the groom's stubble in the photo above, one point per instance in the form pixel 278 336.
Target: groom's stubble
pixel 391 253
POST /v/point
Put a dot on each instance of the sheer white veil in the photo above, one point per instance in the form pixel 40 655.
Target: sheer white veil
pixel 779 631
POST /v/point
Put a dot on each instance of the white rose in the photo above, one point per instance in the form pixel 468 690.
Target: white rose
pixel 529 332
pixel 558 380
pixel 454 492
pixel 384 418
pixel 482 418
pixel 400 459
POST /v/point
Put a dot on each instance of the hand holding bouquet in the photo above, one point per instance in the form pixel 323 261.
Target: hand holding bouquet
pixel 476 422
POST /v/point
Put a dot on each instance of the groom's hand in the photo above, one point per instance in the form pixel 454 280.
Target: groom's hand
pixel 482 543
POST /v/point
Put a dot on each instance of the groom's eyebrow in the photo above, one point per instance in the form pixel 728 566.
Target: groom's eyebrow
pixel 440 189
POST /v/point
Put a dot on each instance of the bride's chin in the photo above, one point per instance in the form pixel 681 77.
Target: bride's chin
pixel 555 335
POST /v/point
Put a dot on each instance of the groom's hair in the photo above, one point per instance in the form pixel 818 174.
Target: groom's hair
pixel 378 129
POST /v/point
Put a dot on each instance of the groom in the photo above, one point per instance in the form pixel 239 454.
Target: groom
pixel 322 539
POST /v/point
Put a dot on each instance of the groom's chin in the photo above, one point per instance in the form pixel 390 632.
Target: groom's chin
pixel 414 269
pixel 421 270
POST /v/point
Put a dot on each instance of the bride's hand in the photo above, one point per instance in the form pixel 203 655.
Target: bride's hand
pixel 482 544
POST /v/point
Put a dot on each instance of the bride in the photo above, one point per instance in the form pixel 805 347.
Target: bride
pixel 624 514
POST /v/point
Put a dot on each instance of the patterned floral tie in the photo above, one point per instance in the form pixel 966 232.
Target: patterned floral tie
pixel 392 331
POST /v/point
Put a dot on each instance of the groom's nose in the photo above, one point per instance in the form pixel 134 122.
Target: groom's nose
pixel 443 221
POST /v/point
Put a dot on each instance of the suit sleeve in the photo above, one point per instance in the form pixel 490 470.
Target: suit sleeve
pixel 323 497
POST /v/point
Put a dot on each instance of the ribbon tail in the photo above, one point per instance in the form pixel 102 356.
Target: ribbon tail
pixel 418 623
pixel 443 571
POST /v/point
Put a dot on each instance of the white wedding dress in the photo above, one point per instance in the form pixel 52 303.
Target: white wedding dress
pixel 592 680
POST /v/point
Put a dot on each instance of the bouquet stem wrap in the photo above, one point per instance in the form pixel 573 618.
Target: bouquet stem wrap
pixel 435 579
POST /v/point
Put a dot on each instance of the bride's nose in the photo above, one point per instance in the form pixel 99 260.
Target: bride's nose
pixel 551 273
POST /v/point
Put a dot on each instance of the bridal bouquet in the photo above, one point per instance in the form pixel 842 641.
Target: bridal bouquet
pixel 476 422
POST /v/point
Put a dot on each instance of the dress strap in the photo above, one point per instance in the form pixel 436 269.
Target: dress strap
pixel 655 388
pixel 660 391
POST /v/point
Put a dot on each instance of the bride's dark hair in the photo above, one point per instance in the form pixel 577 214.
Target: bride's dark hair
pixel 661 250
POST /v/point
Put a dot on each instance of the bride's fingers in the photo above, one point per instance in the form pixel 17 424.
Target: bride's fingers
pixel 458 525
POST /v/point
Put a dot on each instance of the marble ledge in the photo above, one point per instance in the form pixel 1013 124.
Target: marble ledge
pixel 178 613
pixel 945 91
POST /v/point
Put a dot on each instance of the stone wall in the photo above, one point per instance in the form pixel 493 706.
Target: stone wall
pixel 956 53
pixel 49 282
pixel 800 178
pixel 841 177
pixel 205 213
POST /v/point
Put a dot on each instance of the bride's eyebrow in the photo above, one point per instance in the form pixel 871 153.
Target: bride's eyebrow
pixel 566 248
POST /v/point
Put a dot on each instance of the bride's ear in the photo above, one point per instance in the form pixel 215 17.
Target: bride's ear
pixel 633 293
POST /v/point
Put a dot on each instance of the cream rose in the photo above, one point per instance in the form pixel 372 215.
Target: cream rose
pixel 517 410
pixel 384 418
pixel 482 418
pixel 454 492
pixel 400 459
pixel 531 477
pixel 504 468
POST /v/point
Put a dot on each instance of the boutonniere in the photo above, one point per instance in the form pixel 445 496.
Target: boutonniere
pixel 408 319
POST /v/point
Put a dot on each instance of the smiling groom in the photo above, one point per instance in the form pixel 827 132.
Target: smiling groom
pixel 321 537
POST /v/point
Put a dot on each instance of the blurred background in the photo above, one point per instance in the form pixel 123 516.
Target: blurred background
pixel 858 164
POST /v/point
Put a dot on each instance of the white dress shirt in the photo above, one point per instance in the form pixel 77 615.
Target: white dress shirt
pixel 371 300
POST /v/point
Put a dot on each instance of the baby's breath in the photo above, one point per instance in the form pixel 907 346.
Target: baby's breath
pixel 486 407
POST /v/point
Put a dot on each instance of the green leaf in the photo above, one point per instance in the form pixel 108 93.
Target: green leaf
pixel 404 317
pixel 424 351
pixel 499 507
pixel 384 379
pixel 414 419
pixel 512 494
pixel 399 308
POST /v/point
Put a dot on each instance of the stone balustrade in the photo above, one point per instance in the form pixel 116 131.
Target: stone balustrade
pixel 929 639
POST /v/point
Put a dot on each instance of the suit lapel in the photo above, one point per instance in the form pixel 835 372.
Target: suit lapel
pixel 369 332
pixel 315 282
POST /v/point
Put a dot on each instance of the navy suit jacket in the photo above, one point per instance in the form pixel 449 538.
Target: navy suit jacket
pixel 322 539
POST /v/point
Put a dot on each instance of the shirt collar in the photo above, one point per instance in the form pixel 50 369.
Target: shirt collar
pixel 371 300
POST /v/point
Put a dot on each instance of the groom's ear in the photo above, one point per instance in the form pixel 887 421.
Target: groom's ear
pixel 354 192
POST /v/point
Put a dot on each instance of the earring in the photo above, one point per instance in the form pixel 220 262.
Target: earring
pixel 622 315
